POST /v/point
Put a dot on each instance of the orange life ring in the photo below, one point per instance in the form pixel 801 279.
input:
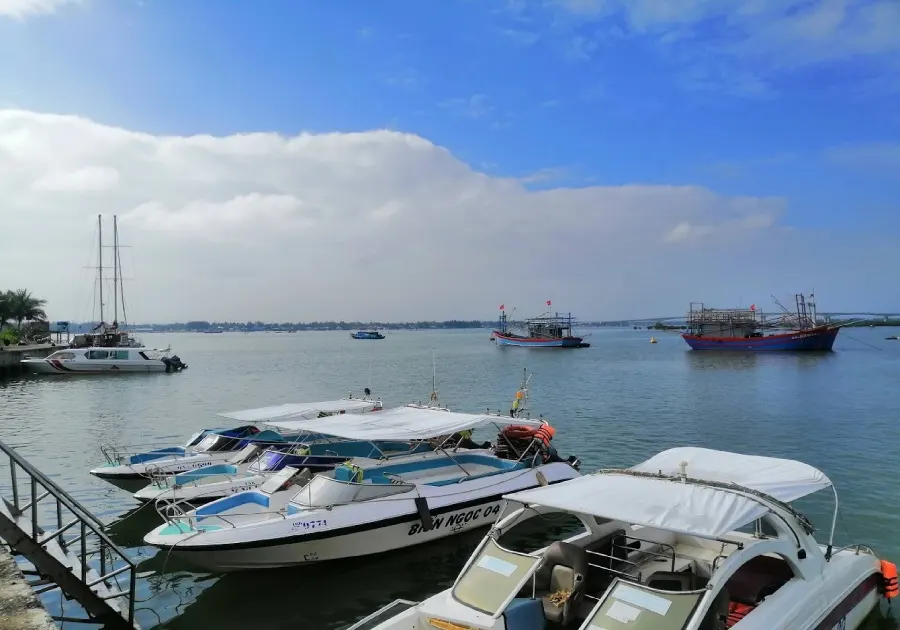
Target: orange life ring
pixel 519 432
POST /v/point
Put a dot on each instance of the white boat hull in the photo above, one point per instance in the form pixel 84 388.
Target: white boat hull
pixel 359 543
pixel 203 491
pixel 351 530
pixel 47 366
pixel 133 477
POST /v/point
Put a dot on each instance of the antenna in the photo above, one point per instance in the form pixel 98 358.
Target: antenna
pixel 434 394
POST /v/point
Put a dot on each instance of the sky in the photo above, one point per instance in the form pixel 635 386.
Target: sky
pixel 395 160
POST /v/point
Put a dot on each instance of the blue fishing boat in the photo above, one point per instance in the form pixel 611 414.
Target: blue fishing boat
pixel 366 334
pixel 745 329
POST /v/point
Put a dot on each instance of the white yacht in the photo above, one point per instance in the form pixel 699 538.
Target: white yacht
pixel 692 539
pixel 107 349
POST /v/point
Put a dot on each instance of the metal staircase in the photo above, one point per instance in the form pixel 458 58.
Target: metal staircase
pixel 67 546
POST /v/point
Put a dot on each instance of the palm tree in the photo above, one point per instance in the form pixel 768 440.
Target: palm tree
pixel 25 307
pixel 5 307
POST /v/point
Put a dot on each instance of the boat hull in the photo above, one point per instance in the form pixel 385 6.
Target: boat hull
pixel 70 368
pixel 535 342
pixel 352 530
pixel 817 339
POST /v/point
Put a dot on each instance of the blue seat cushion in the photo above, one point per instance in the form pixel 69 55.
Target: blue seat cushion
pixel 525 614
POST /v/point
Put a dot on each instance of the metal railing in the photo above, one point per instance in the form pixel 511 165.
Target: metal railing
pixel 85 567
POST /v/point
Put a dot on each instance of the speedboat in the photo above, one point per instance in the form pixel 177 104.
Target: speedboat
pixel 251 467
pixel 369 506
pixel 692 539
pixel 102 360
pixel 130 469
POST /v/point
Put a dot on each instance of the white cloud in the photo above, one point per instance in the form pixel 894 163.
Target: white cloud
pixel 375 225
pixel 20 9
pixel 78 180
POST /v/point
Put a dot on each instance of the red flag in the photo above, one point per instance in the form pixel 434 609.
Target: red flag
pixel 501 306
pixel 753 307
pixel 548 302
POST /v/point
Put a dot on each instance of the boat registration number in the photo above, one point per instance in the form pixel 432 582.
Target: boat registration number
pixel 307 525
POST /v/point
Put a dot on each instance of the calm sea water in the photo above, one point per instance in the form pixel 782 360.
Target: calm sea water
pixel 614 404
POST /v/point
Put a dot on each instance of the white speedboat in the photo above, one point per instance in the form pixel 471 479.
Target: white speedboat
pixel 251 467
pixel 692 539
pixel 130 469
pixel 368 506
pixel 105 360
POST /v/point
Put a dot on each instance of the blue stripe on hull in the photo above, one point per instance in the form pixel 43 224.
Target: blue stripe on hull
pixel 823 340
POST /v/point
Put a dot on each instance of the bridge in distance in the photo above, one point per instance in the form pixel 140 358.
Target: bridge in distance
pixel 681 319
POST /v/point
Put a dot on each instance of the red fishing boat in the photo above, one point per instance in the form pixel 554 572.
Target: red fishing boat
pixel 748 329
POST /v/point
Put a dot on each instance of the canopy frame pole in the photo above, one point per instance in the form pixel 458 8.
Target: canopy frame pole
pixel 834 517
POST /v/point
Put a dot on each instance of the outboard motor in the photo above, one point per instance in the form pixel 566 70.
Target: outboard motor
pixel 174 364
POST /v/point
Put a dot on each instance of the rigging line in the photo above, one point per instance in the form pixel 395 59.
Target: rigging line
pixel 863 342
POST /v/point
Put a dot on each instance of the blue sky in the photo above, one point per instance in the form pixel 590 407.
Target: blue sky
pixel 766 98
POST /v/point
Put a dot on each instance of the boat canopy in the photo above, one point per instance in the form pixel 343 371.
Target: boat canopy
pixel 685 506
pixel 401 423
pixel 783 479
pixel 300 410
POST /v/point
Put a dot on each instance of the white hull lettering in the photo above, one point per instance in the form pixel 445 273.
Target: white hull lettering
pixel 457 520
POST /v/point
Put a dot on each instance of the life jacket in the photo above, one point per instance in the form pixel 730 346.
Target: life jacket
pixel 736 612
pixel 889 579
pixel 545 433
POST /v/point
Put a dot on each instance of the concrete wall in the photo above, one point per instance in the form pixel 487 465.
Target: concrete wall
pixel 10 357
pixel 20 608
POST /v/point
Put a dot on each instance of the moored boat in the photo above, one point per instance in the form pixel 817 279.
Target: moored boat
pixel 692 539
pixel 366 334
pixel 748 329
pixel 368 506
pixel 251 468
pixel 131 469
pixel 546 331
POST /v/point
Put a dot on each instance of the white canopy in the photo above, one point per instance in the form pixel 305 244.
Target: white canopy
pixel 401 423
pixel 670 505
pixel 687 508
pixel 300 410
pixel 784 479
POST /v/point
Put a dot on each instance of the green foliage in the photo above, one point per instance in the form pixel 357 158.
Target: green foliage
pixel 21 306
pixel 9 337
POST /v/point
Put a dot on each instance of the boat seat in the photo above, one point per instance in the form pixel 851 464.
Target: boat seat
pixel 564 567
pixel 524 614
pixel 758 578
pixel 679 581
pixel 613 551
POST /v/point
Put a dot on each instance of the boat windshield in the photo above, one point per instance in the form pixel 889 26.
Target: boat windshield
pixel 215 442
pixel 270 460
pixel 637 607
pixel 494 576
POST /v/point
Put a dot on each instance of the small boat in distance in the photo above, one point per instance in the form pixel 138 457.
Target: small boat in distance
pixel 742 328
pixel 546 331
pixel 366 334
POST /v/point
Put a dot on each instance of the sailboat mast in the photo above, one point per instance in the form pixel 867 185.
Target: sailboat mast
pixel 115 271
pixel 100 262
